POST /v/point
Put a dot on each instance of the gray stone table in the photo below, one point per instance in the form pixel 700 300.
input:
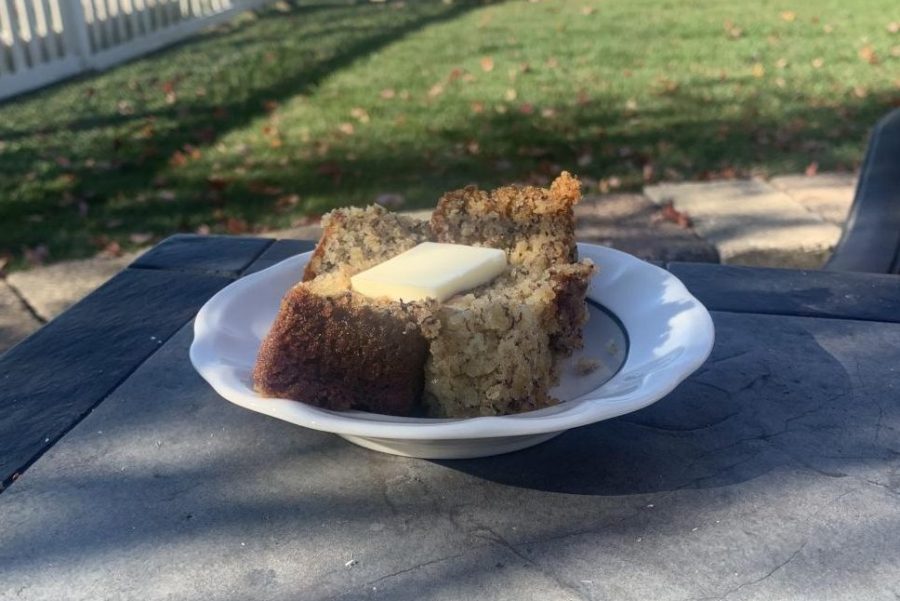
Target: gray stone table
pixel 772 473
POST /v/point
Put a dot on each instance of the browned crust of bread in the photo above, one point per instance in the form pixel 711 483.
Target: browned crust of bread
pixel 338 353
pixel 535 226
pixel 329 228
pixel 570 312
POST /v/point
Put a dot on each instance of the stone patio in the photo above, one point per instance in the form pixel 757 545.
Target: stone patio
pixel 789 221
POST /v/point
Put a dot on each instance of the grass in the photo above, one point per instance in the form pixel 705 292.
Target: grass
pixel 286 113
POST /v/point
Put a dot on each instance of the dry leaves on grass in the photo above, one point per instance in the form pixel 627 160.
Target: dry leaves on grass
pixel 487 64
pixel 235 226
pixel 360 114
pixel 789 16
pixel 868 54
pixel 286 203
pixel 732 30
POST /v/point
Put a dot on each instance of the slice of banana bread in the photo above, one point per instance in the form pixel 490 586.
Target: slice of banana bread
pixel 355 239
pixel 491 351
pixel 335 349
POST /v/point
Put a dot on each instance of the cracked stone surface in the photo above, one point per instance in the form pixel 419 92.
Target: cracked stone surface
pixel 828 195
pixel 772 473
pixel 751 222
pixel 16 322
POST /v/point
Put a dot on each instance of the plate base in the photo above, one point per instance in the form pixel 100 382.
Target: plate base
pixel 467 448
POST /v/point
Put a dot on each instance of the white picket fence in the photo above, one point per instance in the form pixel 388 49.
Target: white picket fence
pixel 42 41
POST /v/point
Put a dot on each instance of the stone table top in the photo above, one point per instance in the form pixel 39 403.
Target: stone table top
pixel 771 473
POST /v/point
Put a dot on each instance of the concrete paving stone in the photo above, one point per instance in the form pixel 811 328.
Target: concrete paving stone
pixel 632 223
pixel 627 222
pixel 16 322
pixel 302 232
pixel 828 195
pixel 52 289
pixel 752 223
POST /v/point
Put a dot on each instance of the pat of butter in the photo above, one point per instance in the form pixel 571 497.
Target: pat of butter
pixel 431 270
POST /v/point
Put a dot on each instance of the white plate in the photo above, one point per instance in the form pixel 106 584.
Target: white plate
pixel 669 335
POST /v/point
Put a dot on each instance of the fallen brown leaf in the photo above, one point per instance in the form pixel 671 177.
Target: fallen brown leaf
pixel 867 53
pixel 178 159
pixel 236 226
pixel 111 249
pixel 217 182
pixel 287 202
pixel 388 93
pixel 346 128
pixel 670 213
pixel 487 64
pixel 360 114
pixel 789 16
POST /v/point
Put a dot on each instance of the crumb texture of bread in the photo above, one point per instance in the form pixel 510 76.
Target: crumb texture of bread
pixel 487 356
pixel 334 349
pixel 356 239
pixel 535 226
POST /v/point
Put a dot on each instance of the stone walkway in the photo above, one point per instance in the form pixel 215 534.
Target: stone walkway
pixel 790 221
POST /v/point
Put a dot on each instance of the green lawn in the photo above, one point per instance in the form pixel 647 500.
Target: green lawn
pixel 308 106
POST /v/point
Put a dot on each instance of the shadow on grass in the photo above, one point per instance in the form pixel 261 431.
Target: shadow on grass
pixel 85 191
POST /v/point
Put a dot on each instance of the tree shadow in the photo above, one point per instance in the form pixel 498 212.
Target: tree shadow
pixel 104 181
pixel 165 480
